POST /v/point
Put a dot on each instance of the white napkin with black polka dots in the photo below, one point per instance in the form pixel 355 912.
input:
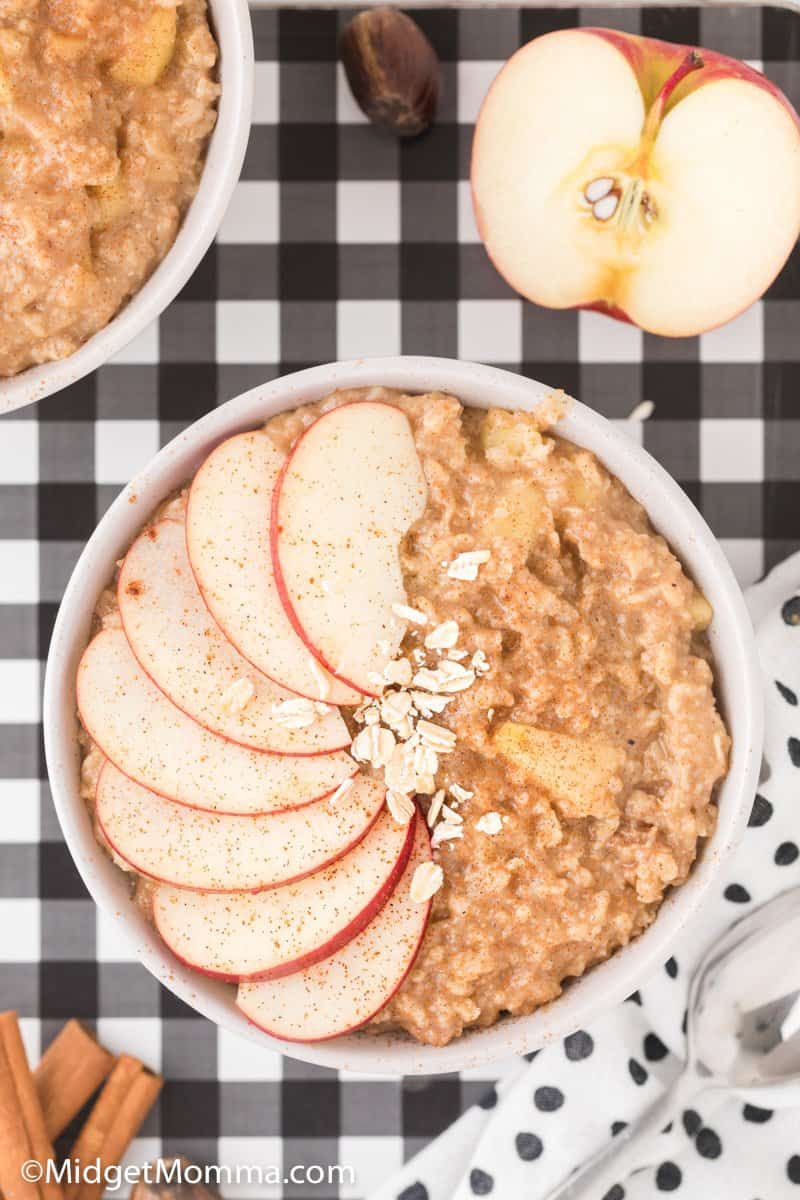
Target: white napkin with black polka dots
pixel 547 1116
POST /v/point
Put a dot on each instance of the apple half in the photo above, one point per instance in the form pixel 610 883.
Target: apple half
pixel 217 852
pixel 154 743
pixel 228 541
pixel 180 646
pixel 347 989
pixel 653 181
pixel 349 491
pixel 273 933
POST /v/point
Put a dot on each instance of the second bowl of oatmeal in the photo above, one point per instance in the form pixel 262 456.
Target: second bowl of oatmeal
pixel 125 124
pixel 594 763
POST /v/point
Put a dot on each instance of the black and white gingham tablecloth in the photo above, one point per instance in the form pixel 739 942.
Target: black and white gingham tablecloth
pixel 342 242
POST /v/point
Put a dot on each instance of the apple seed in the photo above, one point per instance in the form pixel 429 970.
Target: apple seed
pixel 598 188
pixel 604 209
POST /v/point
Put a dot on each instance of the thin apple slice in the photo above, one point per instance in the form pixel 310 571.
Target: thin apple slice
pixel 347 989
pixel 351 488
pixel 228 541
pixel 154 743
pixel 213 852
pixel 271 934
pixel 181 647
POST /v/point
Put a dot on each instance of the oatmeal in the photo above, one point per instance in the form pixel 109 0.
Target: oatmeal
pixel 591 629
pixel 551 709
pixel 105 111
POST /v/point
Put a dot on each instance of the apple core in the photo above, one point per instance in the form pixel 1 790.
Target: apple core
pixel 603 167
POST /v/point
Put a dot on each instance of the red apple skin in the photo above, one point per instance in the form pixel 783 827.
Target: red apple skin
pixel 225 632
pixel 202 592
pixel 344 935
pixel 280 582
pixel 121 581
pixel 359 1024
pixel 217 812
pixel 283 1037
pixel 249 891
pixel 668 55
pixel 654 60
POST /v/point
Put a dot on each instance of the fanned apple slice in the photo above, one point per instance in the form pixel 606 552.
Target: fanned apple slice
pixel 180 646
pixel 273 933
pixel 347 989
pixel 228 540
pixel 214 852
pixel 349 491
pixel 154 743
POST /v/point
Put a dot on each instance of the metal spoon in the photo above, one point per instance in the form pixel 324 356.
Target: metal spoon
pixel 742 1037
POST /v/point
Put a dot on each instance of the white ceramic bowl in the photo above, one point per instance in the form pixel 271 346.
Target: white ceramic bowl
pixel 671 512
pixel 230 20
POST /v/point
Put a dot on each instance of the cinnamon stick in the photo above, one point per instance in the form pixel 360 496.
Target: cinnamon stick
pixel 71 1070
pixel 128 1095
pixel 23 1135
pixel 133 1110
pixel 15 1147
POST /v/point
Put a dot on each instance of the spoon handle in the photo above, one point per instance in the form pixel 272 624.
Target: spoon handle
pixel 631 1149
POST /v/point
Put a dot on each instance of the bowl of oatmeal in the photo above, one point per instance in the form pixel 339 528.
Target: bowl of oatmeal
pixel 553 689
pixel 124 128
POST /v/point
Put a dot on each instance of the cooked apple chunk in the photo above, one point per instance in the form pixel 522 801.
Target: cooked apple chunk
pixel 520 515
pixel 510 438
pixel 701 611
pixel 576 772
pixel 146 58
pixel 111 200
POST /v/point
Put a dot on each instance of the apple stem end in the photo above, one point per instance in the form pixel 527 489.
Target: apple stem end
pixel 692 62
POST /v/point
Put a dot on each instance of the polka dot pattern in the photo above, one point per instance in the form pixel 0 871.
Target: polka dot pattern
pixel 529 1146
pixel 637 1072
pixel 758 1116
pixel 654 1048
pixel 480 1182
pixel 761 812
pixel 578 1045
pixel 692 1122
pixel 708 1144
pixel 548 1099
pixel 786 854
pixel 737 894
pixel 417 1191
pixel 668 1177
pixel 793 1168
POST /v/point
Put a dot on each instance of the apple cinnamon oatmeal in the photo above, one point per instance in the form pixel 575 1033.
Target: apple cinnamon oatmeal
pixel 587 755
pixel 105 111
pixel 548 703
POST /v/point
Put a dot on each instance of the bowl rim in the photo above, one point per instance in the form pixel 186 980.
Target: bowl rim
pixel 224 158
pixel 671 512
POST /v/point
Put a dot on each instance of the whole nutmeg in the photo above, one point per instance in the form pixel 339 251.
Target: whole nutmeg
pixel 392 70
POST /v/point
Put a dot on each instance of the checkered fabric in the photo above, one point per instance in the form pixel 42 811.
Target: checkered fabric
pixel 342 242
